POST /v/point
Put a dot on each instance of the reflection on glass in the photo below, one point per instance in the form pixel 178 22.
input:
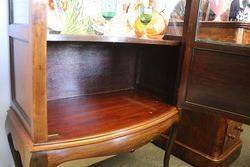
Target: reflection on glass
pixel 108 8
pixel 146 14
pixel 132 18
pixel 224 21
pixel 178 12
pixel 149 23
pixel 225 10
pixel 175 11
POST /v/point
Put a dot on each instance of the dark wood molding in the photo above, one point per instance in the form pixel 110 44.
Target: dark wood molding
pixel 222 24
pixel 110 39
pixel 223 48
pixel 189 44
pixel 224 113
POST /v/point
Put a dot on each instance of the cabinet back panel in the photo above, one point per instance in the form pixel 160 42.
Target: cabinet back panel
pixel 75 69
pixel 158 71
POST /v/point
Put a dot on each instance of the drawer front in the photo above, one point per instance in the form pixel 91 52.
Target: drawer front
pixel 219 81
pixel 232 137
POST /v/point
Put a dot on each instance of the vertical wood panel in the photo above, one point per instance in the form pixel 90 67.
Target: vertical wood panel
pixel 20 62
pixel 23 75
pixel 38 30
pixel 218 80
pixel 29 59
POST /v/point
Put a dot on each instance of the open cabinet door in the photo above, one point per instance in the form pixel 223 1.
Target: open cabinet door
pixel 216 65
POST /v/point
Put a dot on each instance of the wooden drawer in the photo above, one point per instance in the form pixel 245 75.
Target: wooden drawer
pixel 232 135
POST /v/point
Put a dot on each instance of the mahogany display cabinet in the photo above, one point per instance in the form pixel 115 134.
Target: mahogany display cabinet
pixel 79 92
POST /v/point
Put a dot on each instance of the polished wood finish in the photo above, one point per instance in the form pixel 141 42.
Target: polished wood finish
pixel 213 72
pixel 110 39
pixel 105 113
pixel 158 75
pixel 21 77
pixel 103 67
pixel 88 96
pixel 85 74
pixel 224 70
pixel 38 50
pixel 51 154
pixel 232 63
pixel 212 145
pixel 229 32
pixel 91 68
pixel 28 69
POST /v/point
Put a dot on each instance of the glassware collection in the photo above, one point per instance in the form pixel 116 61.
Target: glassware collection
pixel 131 18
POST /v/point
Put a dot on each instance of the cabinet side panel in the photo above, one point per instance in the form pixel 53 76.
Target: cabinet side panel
pixel 23 75
pixel 27 31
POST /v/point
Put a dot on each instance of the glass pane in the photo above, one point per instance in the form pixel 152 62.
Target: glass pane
pixel 130 18
pixel 176 12
pixel 20 11
pixel 224 21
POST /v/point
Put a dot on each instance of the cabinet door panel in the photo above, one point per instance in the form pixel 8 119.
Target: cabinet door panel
pixel 216 69
pixel 220 80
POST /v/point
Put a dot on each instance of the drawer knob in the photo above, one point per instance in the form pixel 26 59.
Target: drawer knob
pixel 239 128
pixel 230 136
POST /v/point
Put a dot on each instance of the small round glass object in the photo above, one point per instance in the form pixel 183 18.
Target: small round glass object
pixel 108 8
pixel 146 15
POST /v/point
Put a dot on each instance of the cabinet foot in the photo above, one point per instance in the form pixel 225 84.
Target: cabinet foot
pixel 15 154
pixel 39 159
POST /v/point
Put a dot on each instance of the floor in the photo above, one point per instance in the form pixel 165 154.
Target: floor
pixel 152 156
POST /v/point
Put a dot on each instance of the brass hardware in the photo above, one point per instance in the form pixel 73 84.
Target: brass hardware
pixel 231 136
pixel 239 128
pixel 53 135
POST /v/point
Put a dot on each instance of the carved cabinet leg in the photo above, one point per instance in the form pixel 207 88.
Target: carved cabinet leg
pixel 170 143
pixel 39 159
pixel 15 154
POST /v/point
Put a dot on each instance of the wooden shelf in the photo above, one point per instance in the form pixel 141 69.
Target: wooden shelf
pixel 95 115
pixel 110 39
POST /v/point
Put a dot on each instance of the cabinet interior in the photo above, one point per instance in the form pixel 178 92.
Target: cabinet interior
pixel 88 82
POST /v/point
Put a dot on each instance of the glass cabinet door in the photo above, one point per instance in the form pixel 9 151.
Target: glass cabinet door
pixel 224 21
pixel 217 59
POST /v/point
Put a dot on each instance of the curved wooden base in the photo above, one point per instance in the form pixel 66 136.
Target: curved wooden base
pixel 14 152
pixel 197 158
pixel 51 154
